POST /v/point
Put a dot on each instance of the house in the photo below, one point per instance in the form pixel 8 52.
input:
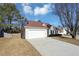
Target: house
pixel 53 30
pixel 62 31
pixel 35 29
pixel 57 31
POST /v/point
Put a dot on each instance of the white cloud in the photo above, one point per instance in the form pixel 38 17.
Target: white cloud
pixel 47 5
pixel 27 9
pixel 37 10
pixel 42 10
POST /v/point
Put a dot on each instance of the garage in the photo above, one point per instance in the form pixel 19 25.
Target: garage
pixel 36 32
pixel 34 29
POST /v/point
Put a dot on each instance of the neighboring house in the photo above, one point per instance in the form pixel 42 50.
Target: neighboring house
pixel 62 31
pixel 53 30
pixel 77 33
pixel 34 29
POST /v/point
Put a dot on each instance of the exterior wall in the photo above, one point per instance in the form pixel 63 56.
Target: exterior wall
pixel 63 32
pixel 53 31
pixel 31 33
pixel 49 32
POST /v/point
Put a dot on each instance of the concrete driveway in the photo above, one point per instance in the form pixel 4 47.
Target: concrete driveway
pixel 52 47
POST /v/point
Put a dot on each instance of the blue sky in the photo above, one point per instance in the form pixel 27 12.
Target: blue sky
pixel 39 11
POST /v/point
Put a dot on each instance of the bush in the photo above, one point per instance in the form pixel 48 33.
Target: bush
pixel 12 30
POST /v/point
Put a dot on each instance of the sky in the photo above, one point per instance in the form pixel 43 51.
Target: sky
pixel 39 11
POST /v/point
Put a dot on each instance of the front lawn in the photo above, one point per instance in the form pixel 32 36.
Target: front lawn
pixel 67 39
pixel 16 46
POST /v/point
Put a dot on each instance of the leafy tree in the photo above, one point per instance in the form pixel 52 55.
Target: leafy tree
pixel 9 11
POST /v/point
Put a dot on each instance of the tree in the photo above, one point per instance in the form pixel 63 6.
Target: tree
pixel 1 28
pixel 9 11
pixel 69 15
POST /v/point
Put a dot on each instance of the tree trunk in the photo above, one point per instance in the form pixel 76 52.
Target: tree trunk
pixel 9 20
pixel 1 32
pixel 73 36
pixel 10 25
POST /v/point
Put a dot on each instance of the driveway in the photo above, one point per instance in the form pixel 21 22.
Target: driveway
pixel 53 47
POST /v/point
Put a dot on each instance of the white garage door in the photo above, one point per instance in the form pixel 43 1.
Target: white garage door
pixel 35 33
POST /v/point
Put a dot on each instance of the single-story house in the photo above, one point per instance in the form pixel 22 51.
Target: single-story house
pixel 35 29
pixel 57 31
pixel 62 31
pixel 53 30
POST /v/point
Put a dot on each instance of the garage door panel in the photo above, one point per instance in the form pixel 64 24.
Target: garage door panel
pixel 36 33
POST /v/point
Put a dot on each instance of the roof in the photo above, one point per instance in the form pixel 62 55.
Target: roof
pixel 36 24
